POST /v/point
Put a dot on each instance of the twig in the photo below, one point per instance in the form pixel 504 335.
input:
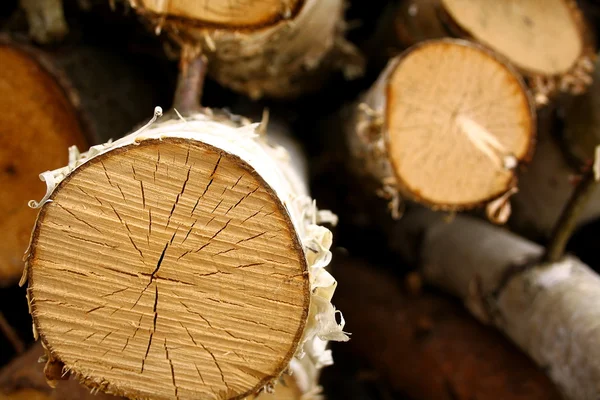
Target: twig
pixel 567 221
pixel 190 82
pixel 11 335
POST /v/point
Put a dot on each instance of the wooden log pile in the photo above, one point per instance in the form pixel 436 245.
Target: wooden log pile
pixel 195 200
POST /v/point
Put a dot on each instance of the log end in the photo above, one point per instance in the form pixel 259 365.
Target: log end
pixel 219 13
pixel 458 122
pixel 38 117
pixel 548 41
pixel 168 268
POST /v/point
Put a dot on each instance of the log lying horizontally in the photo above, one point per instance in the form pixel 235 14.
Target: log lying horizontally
pixel 426 346
pixel 549 42
pixel 274 48
pixel 183 261
pixel 446 124
pixel 39 118
pixel 550 310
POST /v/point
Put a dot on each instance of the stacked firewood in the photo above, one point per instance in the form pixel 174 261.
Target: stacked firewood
pixel 194 193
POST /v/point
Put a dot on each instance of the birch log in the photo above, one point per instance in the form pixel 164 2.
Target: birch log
pixel 428 346
pixel 183 261
pixel 560 158
pixel 445 125
pixel 40 115
pixel 24 379
pixel 273 48
pixel 549 42
pixel 550 310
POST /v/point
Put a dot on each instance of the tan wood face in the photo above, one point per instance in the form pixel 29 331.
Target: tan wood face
pixel 169 269
pixel 454 113
pixel 226 13
pixel 540 36
pixel 37 125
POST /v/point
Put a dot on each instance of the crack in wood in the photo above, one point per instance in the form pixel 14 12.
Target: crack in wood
pixel 248 265
pixel 217 206
pixel 89 195
pixel 143 194
pixel 195 205
pixel 251 237
pixel 238 181
pixel 189 231
pixel 115 292
pixel 242 199
pixel 172 369
pixel 188 309
pixel 121 190
pixel 77 218
pixel 95 308
pixel 225 251
pixel 199 374
pixel 179 196
pixel 91 241
pixel 188 332
pixel 149 225
pixel 106 173
pixel 253 215
pixel 217 365
pixel 219 231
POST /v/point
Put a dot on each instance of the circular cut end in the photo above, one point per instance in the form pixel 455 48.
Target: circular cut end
pixel 169 269
pixel 539 36
pixel 457 121
pixel 224 13
pixel 37 123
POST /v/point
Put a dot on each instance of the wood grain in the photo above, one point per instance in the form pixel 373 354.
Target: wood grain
pixel 169 269
pixel 37 124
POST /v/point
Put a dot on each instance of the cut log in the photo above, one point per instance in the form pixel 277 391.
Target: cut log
pixel 549 42
pixel 445 125
pixel 545 308
pixel 274 48
pixel 24 379
pixel 182 261
pixel 39 118
pixel 426 346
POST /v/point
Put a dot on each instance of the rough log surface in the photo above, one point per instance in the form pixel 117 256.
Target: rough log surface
pixel 167 265
pixel 446 134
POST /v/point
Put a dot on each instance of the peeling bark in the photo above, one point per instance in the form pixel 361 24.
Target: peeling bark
pixel 545 308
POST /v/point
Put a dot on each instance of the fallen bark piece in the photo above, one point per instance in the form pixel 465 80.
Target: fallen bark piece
pixel 182 261
pixel 548 309
pixel 39 118
pixel 274 48
pixel 428 347
pixel 446 124
pixel 548 41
